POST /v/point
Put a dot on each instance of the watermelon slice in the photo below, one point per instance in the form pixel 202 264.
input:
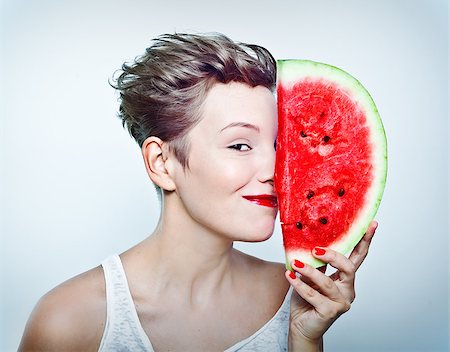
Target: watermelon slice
pixel 331 159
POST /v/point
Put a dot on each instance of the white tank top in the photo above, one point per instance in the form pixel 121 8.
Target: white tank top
pixel 123 330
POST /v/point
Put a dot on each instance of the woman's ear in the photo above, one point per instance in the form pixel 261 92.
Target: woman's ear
pixel 155 157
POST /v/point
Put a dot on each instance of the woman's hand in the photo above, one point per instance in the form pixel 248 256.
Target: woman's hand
pixel 319 299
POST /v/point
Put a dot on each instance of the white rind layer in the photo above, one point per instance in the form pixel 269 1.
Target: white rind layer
pixel 293 71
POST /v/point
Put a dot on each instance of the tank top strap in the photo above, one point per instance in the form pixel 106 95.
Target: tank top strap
pixel 273 336
pixel 123 330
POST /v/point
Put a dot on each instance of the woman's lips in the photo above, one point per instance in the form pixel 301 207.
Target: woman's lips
pixel 266 200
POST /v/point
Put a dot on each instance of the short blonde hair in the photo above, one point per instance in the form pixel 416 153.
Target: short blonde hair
pixel 161 91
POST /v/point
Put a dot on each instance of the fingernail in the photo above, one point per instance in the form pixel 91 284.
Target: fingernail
pixel 298 264
pixel 292 275
pixel 319 251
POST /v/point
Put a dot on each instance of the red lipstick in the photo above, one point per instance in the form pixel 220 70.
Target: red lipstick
pixel 265 200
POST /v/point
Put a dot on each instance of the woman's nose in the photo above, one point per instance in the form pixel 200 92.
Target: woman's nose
pixel 267 171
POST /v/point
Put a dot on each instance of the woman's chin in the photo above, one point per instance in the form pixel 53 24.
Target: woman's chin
pixel 263 233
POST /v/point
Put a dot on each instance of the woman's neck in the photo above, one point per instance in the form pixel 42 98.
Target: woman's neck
pixel 189 259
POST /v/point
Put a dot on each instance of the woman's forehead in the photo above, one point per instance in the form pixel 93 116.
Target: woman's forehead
pixel 237 104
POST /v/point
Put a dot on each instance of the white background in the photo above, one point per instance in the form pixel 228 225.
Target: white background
pixel 74 188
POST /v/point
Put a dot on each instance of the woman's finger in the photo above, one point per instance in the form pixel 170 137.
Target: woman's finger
pixel 346 268
pixel 317 280
pixel 359 253
pixel 322 269
pixel 324 306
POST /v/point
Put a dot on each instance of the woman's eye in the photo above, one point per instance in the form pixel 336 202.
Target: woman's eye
pixel 242 147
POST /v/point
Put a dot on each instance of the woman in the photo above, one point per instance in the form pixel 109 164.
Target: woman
pixel 202 109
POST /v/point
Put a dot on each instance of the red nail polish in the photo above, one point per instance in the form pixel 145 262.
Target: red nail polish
pixel 298 264
pixel 292 275
pixel 320 251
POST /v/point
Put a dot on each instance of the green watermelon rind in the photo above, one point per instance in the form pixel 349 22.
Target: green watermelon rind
pixel 290 72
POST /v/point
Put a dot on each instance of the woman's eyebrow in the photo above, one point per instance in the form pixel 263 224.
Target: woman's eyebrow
pixel 241 124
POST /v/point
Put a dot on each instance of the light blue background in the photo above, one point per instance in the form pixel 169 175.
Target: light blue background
pixel 74 187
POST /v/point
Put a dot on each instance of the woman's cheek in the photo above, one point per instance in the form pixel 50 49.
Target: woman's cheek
pixel 236 175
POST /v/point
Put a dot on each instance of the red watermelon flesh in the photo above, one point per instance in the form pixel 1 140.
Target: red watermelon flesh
pixel 331 159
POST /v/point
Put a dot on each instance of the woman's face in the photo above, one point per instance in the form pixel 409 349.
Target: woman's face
pixel 228 187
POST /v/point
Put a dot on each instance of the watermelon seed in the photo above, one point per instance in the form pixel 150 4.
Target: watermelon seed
pixel 323 220
pixel 299 225
pixel 310 195
pixel 303 134
pixel 322 114
pixel 341 192
pixel 326 139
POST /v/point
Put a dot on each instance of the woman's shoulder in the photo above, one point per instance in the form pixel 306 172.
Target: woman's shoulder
pixel 69 317
pixel 267 275
pixel 264 267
